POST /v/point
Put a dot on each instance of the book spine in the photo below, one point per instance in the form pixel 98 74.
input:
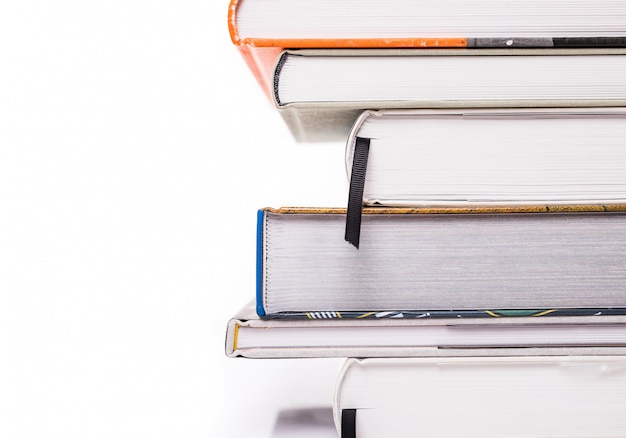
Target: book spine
pixel 232 22
pixel 279 66
pixel 259 263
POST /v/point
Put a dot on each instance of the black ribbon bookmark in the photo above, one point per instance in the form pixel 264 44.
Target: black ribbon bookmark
pixel 355 196
pixel 348 423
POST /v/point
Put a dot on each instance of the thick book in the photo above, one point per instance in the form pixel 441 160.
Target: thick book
pixel 416 262
pixel 260 29
pixel 320 93
pixel 461 157
pixel 482 397
pixel 492 156
pixel 484 334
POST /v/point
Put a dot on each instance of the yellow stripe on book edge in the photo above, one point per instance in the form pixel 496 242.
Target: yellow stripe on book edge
pixel 545 312
pixel 483 209
pixel 235 337
pixel 365 315
pixel 489 312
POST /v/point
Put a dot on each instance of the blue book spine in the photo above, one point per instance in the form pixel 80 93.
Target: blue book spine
pixel 259 263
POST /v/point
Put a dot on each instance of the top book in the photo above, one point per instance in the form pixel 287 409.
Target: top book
pixel 401 23
pixel 262 28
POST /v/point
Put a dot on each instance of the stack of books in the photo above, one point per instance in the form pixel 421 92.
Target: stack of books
pixel 475 280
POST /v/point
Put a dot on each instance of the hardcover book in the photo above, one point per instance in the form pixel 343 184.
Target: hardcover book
pixel 471 157
pixel 320 93
pixel 434 260
pixel 482 397
pixel 492 156
pixel 377 335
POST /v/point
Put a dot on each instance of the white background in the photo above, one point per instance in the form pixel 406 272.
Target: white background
pixel 135 149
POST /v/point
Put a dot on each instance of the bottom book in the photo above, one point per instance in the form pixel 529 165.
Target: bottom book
pixel 486 397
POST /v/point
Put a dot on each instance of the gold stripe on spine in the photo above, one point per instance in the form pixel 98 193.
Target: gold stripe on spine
pixel 564 208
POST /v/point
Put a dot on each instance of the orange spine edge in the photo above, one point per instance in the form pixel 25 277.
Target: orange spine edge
pixel 232 26
pixel 260 61
pixel 356 43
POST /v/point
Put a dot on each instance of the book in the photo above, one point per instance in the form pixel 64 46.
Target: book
pixel 483 334
pixel 506 156
pixel 260 29
pixel 428 261
pixel 502 156
pixel 486 397
pixel 320 93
